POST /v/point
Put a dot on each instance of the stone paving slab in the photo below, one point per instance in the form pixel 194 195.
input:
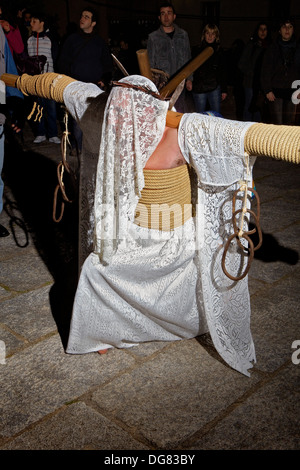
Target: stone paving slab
pixel 29 315
pixel 75 427
pixel 278 214
pixel 173 395
pixel 282 249
pixel 276 323
pixel 42 378
pixel 24 273
pixel 266 420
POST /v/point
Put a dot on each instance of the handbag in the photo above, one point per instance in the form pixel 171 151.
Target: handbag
pixel 32 65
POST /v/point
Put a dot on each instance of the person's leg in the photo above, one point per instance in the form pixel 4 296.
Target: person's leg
pixel 289 113
pixel 51 118
pixel 248 93
pixel 214 99
pixel 276 111
pixel 200 102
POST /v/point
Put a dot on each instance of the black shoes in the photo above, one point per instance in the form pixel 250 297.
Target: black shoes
pixel 3 231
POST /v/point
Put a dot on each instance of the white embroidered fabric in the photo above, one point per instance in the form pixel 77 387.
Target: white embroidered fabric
pixel 133 126
pixel 144 285
pixel 77 96
pixel 215 149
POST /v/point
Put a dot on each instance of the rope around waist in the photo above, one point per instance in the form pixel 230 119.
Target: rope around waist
pixel 165 201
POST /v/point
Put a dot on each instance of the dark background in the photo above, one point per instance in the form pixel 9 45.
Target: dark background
pixel 236 19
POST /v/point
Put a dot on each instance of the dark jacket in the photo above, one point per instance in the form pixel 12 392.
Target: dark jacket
pixel 280 67
pixel 86 58
pixel 250 63
pixel 212 73
pixel 168 53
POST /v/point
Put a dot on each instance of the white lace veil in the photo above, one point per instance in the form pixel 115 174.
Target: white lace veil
pixel 134 122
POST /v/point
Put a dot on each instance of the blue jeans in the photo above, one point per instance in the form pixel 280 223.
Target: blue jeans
pixel 1 165
pixel 213 98
pixel 47 125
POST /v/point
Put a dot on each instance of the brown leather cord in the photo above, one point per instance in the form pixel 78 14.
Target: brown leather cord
pixel 251 255
pixel 239 234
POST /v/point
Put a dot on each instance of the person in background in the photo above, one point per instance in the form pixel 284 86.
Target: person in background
pixel 85 56
pixel 10 99
pixel 250 65
pixel 210 80
pixel 12 32
pixel 23 21
pixel 169 49
pixel 126 54
pixel 235 76
pixel 40 43
pixel 280 68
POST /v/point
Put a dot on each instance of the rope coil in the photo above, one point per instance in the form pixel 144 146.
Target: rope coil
pixel 165 201
pixel 47 85
pixel 62 166
pixel 270 140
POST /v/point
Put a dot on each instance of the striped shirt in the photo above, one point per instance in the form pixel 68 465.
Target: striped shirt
pixel 41 45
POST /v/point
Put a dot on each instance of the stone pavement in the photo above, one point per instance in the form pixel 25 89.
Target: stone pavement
pixel 159 396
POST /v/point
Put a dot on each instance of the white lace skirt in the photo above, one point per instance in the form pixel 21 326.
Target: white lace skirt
pixel 146 293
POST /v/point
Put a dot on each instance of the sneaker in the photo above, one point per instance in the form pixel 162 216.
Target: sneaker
pixel 3 231
pixel 54 140
pixel 39 139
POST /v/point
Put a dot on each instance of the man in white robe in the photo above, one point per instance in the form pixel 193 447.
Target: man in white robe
pixel 140 284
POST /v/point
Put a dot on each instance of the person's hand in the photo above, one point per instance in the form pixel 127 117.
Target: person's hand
pixel 223 96
pixel 5 25
pixel 189 85
pixel 270 96
pixel 15 128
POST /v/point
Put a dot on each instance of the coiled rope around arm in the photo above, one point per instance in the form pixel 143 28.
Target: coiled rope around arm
pixel 276 141
pixel 47 85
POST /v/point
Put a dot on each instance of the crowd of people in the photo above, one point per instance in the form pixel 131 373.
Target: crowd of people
pixel 134 285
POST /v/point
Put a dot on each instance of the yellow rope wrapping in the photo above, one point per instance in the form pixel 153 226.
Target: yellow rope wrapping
pixel 165 201
pixel 270 140
pixel 46 85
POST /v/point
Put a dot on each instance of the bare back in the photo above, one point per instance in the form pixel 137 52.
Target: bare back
pixel 167 154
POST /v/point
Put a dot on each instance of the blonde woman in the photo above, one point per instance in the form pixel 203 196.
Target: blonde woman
pixel 209 81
